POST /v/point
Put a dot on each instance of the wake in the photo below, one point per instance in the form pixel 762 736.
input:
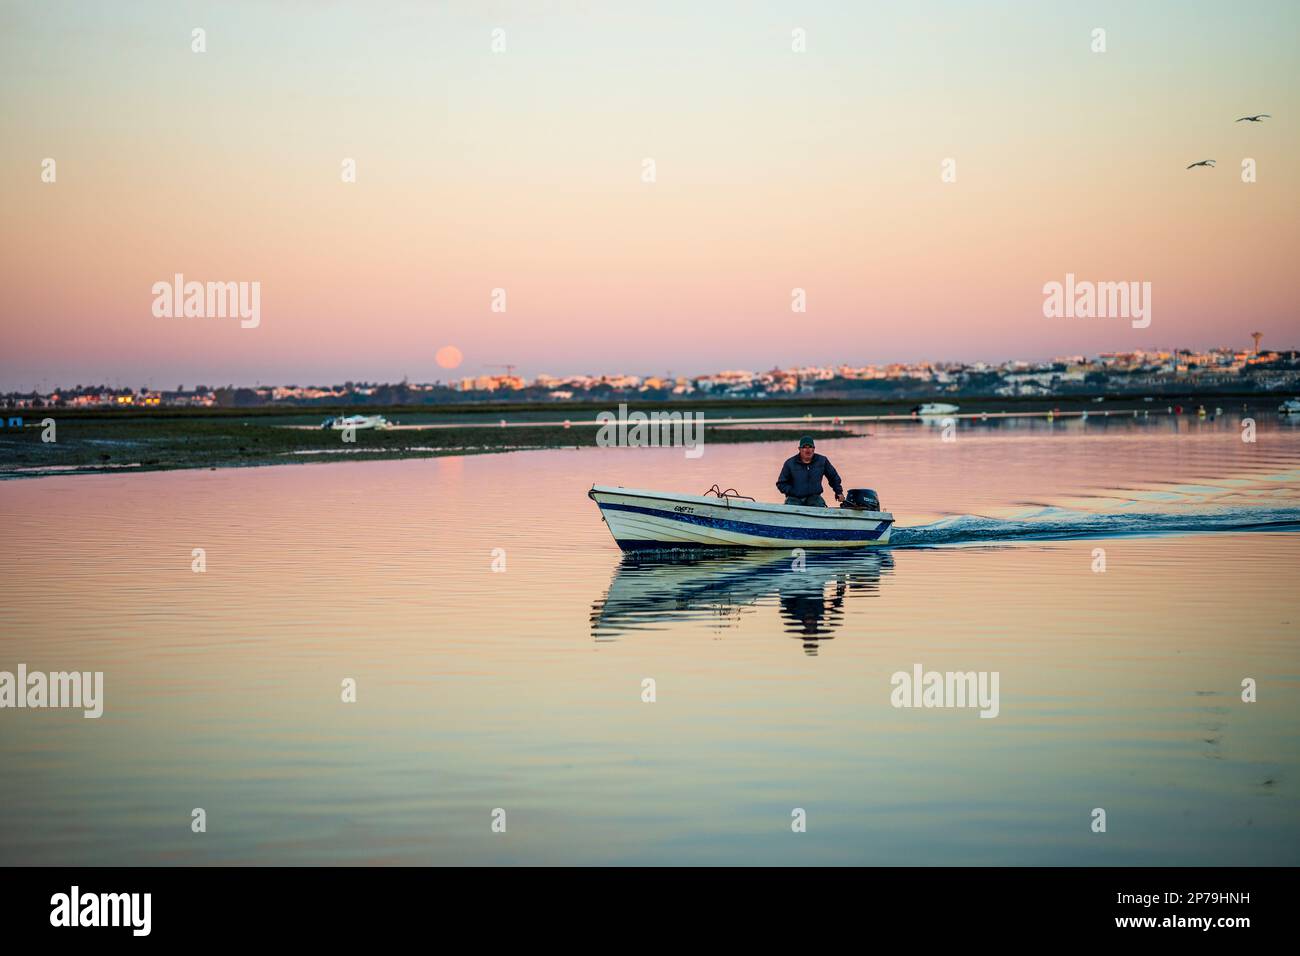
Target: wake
pixel 1056 523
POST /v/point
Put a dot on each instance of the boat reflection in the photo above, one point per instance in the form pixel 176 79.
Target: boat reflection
pixel 808 588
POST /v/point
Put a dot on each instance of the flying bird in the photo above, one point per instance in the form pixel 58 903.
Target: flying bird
pixel 1204 162
pixel 1257 118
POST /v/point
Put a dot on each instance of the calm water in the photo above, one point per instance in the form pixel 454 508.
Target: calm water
pixel 522 689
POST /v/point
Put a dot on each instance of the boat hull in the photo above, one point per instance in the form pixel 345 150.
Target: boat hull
pixel 656 521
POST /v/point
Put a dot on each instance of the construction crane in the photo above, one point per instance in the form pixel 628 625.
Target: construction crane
pixel 510 369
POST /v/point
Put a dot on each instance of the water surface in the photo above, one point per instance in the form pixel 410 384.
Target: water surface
pixel 522 689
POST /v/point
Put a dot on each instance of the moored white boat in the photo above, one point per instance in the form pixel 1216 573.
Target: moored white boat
pixel 664 521
pixel 931 409
pixel 1290 407
pixel 378 422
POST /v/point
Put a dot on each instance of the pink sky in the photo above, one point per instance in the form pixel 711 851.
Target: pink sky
pixel 522 170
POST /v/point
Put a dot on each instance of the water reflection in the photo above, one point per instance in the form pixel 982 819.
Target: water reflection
pixel 810 588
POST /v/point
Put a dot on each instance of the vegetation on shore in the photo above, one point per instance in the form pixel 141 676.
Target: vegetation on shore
pixel 490 413
pixel 156 439
pixel 157 443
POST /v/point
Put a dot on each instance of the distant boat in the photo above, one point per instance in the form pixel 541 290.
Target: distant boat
pixel 1290 407
pixel 338 423
pixel 934 408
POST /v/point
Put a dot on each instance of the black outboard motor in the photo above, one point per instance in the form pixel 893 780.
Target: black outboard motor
pixel 861 499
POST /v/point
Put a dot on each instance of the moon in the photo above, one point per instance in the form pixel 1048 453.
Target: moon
pixel 449 357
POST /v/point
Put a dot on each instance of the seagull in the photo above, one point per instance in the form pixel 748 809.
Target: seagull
pixel 1257 118
pixel 1204 162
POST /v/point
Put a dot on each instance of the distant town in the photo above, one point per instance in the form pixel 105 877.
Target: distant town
pixel 1155 372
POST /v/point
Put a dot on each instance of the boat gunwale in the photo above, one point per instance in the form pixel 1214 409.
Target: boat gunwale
pixel 810 511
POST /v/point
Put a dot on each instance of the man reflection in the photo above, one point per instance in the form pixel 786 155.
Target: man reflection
pixel 807 611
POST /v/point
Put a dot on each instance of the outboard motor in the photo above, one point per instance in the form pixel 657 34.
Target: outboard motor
pixel 861 499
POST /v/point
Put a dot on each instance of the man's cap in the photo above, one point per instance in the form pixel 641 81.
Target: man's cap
pixel 807 442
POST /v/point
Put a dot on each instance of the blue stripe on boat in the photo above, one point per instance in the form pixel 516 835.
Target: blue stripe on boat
pixel 763 530
pixel 637 544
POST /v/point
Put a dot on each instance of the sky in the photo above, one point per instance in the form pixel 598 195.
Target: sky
pixel 524 169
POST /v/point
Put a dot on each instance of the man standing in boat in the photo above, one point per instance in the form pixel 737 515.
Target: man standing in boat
pixel 801 477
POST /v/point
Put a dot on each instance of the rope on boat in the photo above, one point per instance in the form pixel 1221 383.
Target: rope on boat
pixel 727 495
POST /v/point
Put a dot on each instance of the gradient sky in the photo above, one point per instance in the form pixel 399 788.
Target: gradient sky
pixel 522 170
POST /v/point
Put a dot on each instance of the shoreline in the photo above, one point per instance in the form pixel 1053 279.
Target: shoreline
pixel 137 440
pixel 117 448
pixel 514 411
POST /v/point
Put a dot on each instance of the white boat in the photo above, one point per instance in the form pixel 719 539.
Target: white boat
pixel 378 422
pixel 934 408
pixel 1290 407
pixel 664 521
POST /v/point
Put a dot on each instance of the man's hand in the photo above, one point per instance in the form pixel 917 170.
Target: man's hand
pixel 839 496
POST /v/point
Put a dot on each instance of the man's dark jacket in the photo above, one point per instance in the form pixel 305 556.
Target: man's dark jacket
pixel 799 480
